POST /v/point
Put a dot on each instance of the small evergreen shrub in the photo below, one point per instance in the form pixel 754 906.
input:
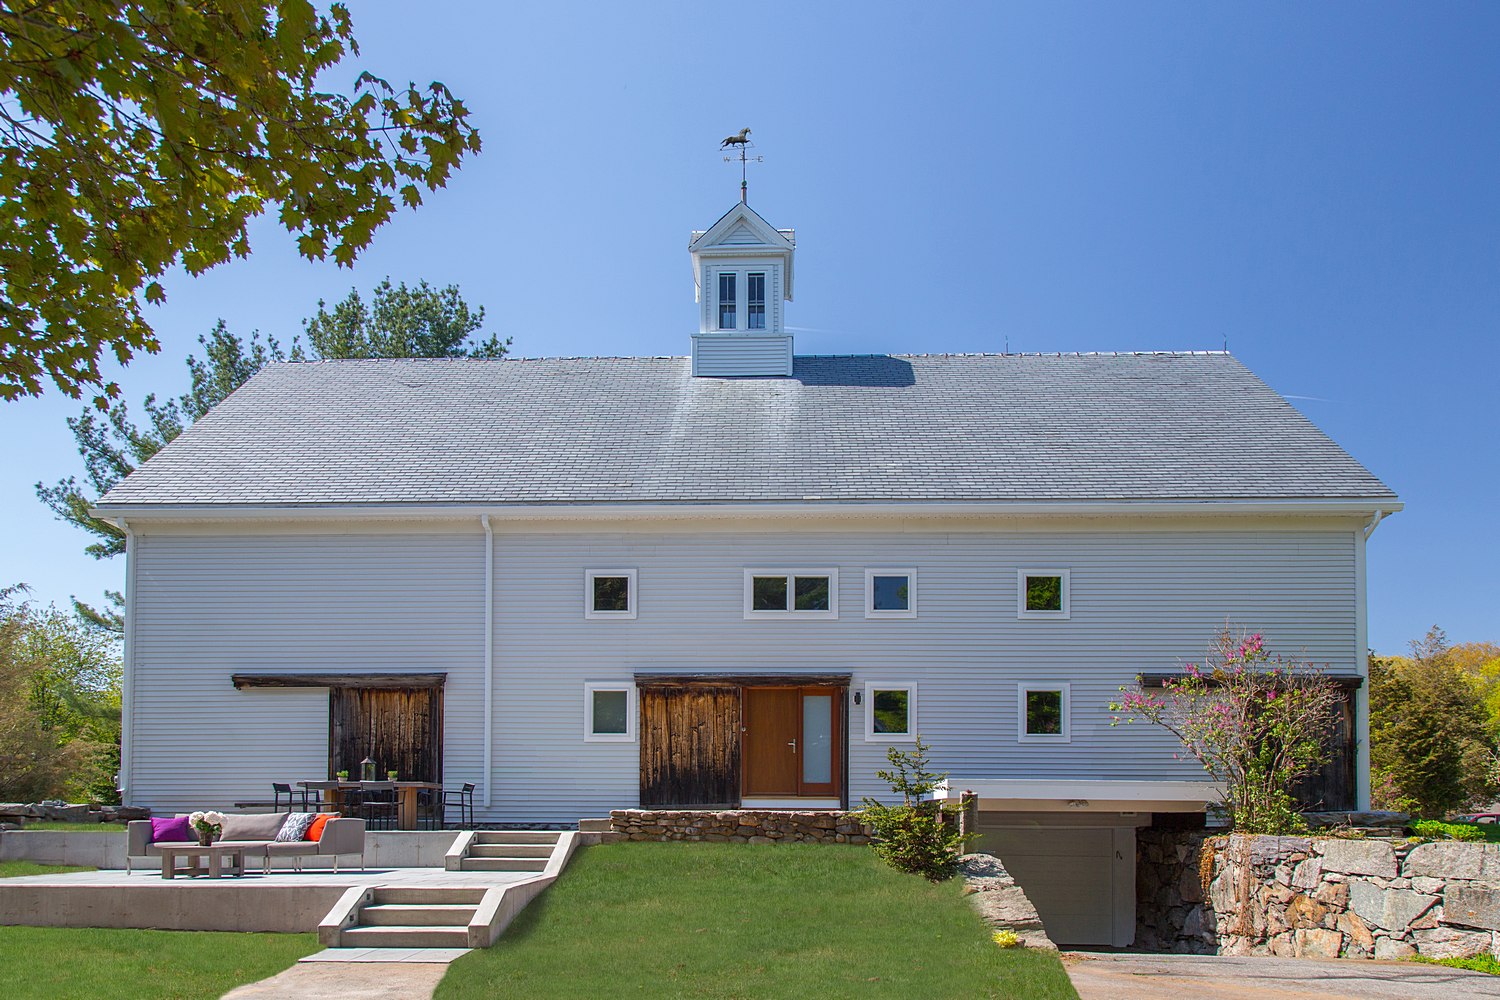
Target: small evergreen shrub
pixel 920 836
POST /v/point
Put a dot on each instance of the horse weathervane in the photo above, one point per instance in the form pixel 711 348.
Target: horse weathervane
pixel 742 140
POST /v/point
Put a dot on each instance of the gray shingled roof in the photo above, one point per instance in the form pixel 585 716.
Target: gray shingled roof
pixel 877 428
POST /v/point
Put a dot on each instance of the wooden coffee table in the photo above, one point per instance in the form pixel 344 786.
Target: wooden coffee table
pixel 225 857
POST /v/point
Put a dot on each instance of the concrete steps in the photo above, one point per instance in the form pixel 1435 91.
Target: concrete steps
pixel 405 937
pixel 510 851
pixel 414 917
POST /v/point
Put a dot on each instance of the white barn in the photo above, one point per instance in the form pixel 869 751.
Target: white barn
pixel 586 584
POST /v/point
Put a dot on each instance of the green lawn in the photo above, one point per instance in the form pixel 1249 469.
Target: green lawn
pixel 47 824
pixel 15 869
pixel 743 921
pixel 85 963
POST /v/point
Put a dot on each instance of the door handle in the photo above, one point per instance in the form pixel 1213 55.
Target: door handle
pixel 793 745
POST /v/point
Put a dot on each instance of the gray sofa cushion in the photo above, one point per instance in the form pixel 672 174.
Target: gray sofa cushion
pixel 288 849
pixel 252 826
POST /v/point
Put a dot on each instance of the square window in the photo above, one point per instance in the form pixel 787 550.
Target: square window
pixel 609 593
pixel 609 713
pixel 812 593
pixel 1043 593
pixel 890 713
pixel 890 593
pixel 792 593
pixel 1043 710
pixel 769 594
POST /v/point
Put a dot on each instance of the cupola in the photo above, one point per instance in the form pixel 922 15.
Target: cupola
pixel 742 273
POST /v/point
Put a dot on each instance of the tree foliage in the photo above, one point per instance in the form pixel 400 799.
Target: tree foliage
pixel 919 836
pixel 1255 722
pixel 1431 737
pixel 138 135
pixel 399 322
pixel 59 706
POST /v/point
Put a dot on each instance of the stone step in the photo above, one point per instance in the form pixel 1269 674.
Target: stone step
pixel 594 826
pixel 445 895
pixel 415 914
pixel 516 836
pixel 511 850
pixel 404 937
pixel 504 864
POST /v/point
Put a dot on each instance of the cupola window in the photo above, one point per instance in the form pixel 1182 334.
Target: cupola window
pixel 727 299
pixel 755 301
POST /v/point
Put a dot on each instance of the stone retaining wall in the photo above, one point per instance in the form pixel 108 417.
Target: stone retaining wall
pixel 740 826
pixel 1317 897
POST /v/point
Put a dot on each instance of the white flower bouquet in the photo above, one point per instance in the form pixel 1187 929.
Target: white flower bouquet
pixel 209 824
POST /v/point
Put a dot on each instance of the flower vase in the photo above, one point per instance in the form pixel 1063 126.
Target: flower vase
pixel 205 838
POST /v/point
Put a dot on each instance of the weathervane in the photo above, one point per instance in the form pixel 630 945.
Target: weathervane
pixel 741 140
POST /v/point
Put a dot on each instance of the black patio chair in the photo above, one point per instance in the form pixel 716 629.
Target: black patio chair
pixel 377 804
pixel 463 798
pixel 294 796
pixel 429 809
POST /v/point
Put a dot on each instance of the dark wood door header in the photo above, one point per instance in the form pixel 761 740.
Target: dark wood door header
pixel 742 680
pixel 380 681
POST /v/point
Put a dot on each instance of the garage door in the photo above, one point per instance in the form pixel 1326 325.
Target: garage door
pixel 1080 879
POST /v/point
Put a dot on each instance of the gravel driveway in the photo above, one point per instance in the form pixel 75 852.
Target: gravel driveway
pixel 1123 976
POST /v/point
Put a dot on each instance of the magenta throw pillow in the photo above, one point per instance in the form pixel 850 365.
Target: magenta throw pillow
pixel 175 828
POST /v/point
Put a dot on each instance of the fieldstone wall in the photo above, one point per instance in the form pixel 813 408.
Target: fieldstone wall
pixel 740 826
pixel 1317 897
pixel 1169 911
pixel 14 815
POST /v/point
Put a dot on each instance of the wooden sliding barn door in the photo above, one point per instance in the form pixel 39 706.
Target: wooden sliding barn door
pixel 400 729
pixel 690 745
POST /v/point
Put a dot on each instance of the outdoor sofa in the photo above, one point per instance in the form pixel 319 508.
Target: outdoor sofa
pixel 340 836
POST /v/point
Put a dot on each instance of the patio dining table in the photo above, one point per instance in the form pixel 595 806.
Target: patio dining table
pixel 406 795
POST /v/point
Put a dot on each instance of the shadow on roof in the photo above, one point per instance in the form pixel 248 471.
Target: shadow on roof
pixel 872 370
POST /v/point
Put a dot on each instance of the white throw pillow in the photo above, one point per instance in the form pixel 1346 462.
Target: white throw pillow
pixel 295 827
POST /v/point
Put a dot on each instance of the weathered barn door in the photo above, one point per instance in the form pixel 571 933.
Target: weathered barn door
pixel 690 745
pixel 400 729
pixel 1331 788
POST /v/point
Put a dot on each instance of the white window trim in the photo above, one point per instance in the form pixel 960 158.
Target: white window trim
pixel 911 593
pixel 589 736
pixel 833 594
pixel 1066 736
pixel 588 595
pixel 1067 590
pixel 871 736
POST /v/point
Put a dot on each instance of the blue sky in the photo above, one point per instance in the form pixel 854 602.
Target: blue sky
pixel 1314 184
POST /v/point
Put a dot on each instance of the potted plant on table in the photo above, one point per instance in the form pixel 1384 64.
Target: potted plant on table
pixel 391 775
pixel 342 775
pixel 209 826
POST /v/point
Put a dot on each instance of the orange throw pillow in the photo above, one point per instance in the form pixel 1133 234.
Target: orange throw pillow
pixel 315 832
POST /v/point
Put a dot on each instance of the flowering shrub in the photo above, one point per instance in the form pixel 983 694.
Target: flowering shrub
pixel 919 836
pixel 1255 722
pixel 1007 939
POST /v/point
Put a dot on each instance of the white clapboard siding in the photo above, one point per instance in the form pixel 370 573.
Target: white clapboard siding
pixel 737 355
pixel 1141 600
pixel 211 606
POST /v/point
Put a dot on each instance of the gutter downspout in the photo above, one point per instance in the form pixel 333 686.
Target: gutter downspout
pixel 127 662
pixel 489 654
pixel 1374 523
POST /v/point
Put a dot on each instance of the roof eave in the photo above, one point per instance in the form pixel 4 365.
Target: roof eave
pixel 118 513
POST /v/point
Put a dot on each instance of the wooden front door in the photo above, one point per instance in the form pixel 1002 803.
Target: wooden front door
pixel 792 741
pixel 400 729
